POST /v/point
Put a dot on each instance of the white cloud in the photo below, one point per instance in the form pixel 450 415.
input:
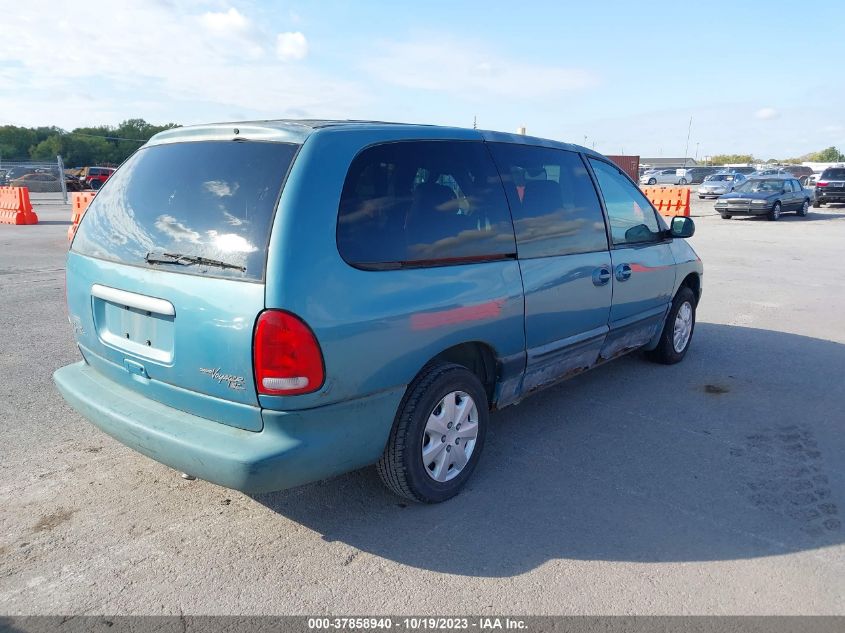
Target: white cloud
pixel 470 70
pixel 766 114
pixel 225 22
pixel 291 46
pixel 232 31
pixel 162 61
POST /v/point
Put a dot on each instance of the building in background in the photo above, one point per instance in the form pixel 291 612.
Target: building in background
pixel 667 163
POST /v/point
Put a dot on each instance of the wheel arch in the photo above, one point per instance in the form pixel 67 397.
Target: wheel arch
pixel 477 356
pixel 693 282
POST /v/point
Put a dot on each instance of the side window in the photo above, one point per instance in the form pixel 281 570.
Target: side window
pixel 423 203
pixel 632 218
pixel 555 208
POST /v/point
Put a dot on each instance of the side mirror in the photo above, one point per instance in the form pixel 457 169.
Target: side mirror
pixel 682 227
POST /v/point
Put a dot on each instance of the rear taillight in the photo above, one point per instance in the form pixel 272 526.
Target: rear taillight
pixel 287 356
pixel 821 183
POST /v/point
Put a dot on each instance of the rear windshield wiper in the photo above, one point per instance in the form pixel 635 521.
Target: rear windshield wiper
pixel 188 260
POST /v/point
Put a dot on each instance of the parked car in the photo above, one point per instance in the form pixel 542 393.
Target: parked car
pixel 696 175
pixel 830 187
pixel 716 185
pixel 745 171
pixel 798 170
pixel 262 330
pixel 664 177
pixel 38 183
pixel 94 177
pixel 773 171
pixel 768 195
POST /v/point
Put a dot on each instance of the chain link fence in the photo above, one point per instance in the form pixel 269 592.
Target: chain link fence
pixel 46 180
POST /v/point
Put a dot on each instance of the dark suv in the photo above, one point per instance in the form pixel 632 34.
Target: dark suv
pixel 696 175
pixel 830 187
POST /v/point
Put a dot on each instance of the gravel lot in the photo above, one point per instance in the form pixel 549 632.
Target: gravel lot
pixel 716 486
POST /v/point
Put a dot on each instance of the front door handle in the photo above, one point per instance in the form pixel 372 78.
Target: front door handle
pixel 601 276
pixel 623 272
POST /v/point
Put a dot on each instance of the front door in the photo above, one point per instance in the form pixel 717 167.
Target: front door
pixel 643 265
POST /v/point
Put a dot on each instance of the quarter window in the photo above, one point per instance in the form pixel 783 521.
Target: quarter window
pixel 553 202
pixel 632 218
pixel 423 203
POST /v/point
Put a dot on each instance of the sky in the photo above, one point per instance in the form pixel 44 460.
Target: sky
pixel 623 77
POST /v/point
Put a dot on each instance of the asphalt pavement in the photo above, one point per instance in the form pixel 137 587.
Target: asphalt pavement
pixel 716 486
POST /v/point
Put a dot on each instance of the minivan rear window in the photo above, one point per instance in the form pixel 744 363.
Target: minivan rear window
pixel 210 199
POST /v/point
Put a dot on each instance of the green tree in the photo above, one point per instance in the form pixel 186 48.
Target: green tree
pixel 15 142
pixel 829 155
pixel 725 159
pixel 47 149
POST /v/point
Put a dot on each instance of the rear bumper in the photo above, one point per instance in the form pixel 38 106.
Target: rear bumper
pixel 825 196
pixel 294 447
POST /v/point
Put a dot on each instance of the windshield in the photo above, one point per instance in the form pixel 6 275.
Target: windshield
pixel 833 174
pixel 720 177
pixel 211 200
pixel 761 185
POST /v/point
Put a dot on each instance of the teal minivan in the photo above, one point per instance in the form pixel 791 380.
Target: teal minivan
pixel 266 304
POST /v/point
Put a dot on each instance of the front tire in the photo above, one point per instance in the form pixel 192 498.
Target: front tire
pixel 682 181
pixel 726 216
pixel 677 331
pixel 774 214
pixel 437 435
pixel 652 181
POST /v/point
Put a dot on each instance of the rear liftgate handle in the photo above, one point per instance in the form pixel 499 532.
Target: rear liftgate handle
pixel 623 272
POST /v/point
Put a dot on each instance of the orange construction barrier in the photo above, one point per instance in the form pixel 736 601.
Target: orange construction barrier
pixel 669 201
pixel 79 202
pixel 15 207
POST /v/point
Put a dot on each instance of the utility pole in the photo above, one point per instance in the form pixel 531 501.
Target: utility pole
pixel 686 149
pixel 474 122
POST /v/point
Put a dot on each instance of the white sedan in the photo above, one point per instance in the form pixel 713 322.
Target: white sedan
pixel 716 185
pixel 664 177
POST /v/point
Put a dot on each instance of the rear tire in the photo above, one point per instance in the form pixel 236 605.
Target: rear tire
pixel 402 466
pixel 682 181
pixel 774 214
pixel 816 204
pixel 677 331
pixel 726 216
pixel 805 208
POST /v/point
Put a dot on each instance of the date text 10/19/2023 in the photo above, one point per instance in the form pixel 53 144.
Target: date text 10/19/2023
pixel 417 623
